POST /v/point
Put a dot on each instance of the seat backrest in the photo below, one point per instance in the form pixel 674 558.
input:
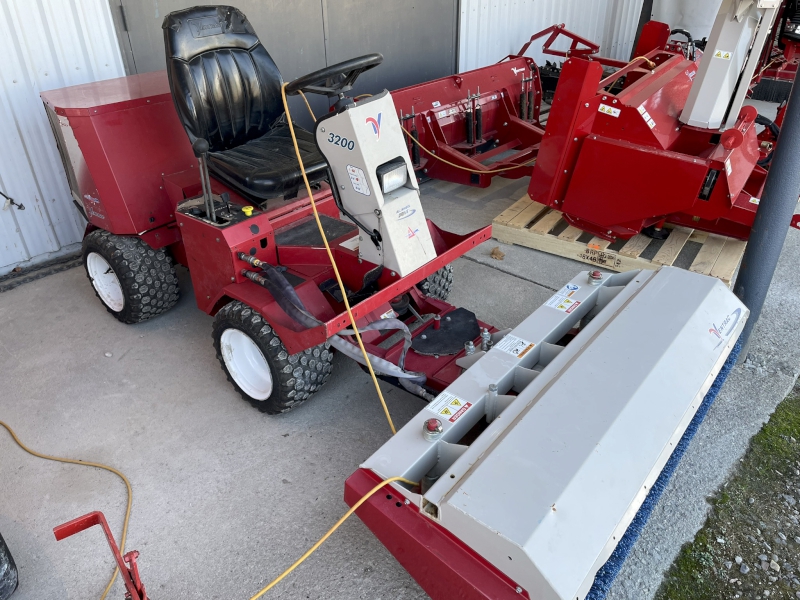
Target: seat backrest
pixel 226 87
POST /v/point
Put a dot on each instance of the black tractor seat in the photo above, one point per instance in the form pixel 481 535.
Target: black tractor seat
pixel 227 91
pixel 267 167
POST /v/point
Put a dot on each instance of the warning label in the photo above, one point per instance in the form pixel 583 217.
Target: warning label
pixel 515 346
pixel 568 290
pixel 449 406
pixel 609 110
pixel 358 179
pixel 723 54
pixel 647 118
pixel 563 303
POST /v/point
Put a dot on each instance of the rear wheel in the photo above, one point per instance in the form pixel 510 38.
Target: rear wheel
pixel 133 281
pixel 258 365
pixel 439 284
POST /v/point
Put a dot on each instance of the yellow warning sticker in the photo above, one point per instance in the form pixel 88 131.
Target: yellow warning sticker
pixel 755 201
pixel 609 110
pixel 449 406
pixel 723 54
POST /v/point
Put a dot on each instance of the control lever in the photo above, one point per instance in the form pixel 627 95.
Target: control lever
pixel 200 148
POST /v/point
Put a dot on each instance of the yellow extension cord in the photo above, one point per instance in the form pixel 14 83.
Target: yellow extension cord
pixel 87 464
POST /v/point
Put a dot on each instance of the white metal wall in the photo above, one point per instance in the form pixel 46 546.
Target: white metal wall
pixel 492 29
pixel 44 44
pixel 696 17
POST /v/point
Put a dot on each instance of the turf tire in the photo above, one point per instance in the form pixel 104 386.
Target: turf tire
pixel 147 277
pixel 439 284
pixel 295 378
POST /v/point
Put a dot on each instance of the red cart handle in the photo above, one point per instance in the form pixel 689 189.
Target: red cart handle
pixel 128 569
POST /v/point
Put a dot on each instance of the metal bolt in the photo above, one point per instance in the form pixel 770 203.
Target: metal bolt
pixel 469 348
pixel 519 590
pixel 595 277
pixel 605 98
pixel 493 387
pixel 393 274
pixel 565 171
pixel 432 429
pixel 575 140
pixel 217 239
pixel 180 224
pixel 505 124
pixel 424 337
pixel 342 186
pixel 424 170
pixel 233 278
pixel 486 340
pixel 614 102
pixel 586 105
pixel 436 356
pixel 322 129
pixel 407 501
pixel 447 318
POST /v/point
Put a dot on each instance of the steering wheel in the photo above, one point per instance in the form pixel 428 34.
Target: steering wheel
pixel 336 79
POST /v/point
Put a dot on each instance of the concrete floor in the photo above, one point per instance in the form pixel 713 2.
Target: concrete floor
pixel 225 498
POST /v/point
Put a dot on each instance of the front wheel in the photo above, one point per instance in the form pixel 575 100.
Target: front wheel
pixel 439 284
pixel 258 365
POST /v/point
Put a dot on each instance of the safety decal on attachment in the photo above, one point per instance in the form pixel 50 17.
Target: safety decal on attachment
pixel 358 179
pixel 723 54
pixel 609 110
pixel 437 104
pixel 389 314
pixel 646 116
pixel 449 406
pixel 568 290
pixel 446 113
pixel 563 303
pixel 755 201
pixel 514 346
pixel 351 244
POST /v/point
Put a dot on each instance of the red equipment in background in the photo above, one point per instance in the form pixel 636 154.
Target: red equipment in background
pixel 487 120
pixel 777 69
pixel 616 159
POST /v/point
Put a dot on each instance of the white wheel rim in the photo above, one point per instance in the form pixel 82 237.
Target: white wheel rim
pixel 246 364
pixel 105 282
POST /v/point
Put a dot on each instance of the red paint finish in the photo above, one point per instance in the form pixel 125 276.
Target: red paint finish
pixel 130 135
pixel 440 117
pixel 128 569
pixel 441 564
pixel 617 163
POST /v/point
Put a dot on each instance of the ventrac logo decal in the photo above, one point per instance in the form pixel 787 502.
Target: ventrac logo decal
pixel 376 125
pixel 723 331
pixel 517 71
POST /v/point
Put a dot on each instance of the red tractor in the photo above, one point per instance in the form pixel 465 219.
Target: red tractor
pixel 198 167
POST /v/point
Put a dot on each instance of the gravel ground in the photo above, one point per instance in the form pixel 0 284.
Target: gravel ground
pixel 749 547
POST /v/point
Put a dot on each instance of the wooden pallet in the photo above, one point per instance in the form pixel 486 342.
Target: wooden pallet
pixel 536 226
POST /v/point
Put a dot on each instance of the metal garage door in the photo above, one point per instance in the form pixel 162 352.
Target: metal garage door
pixel 417 38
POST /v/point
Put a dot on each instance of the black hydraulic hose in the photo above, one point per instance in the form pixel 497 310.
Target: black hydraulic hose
pixel 775 130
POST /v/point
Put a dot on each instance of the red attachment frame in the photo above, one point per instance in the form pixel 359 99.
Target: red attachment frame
pixel 440 563
pixel 588 50
pixel 128 569
pixel 615 163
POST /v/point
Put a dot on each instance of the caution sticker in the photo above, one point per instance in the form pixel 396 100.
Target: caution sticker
pixel 350 244
pixel 563 303
pixel 389 314
pixel 515 346
pixel 609 110
pixel 646 116
pixel 449 406
pixel 358 179
pixel 723 54
pixel 755 201
pixel 568 290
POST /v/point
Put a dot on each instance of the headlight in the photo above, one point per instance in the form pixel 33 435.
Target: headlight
pixel 392 175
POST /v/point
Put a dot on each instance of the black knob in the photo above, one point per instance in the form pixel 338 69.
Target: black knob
pixel 200 147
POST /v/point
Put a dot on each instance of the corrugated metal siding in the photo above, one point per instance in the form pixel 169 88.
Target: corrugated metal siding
pixel 492 29
pixel 44 44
